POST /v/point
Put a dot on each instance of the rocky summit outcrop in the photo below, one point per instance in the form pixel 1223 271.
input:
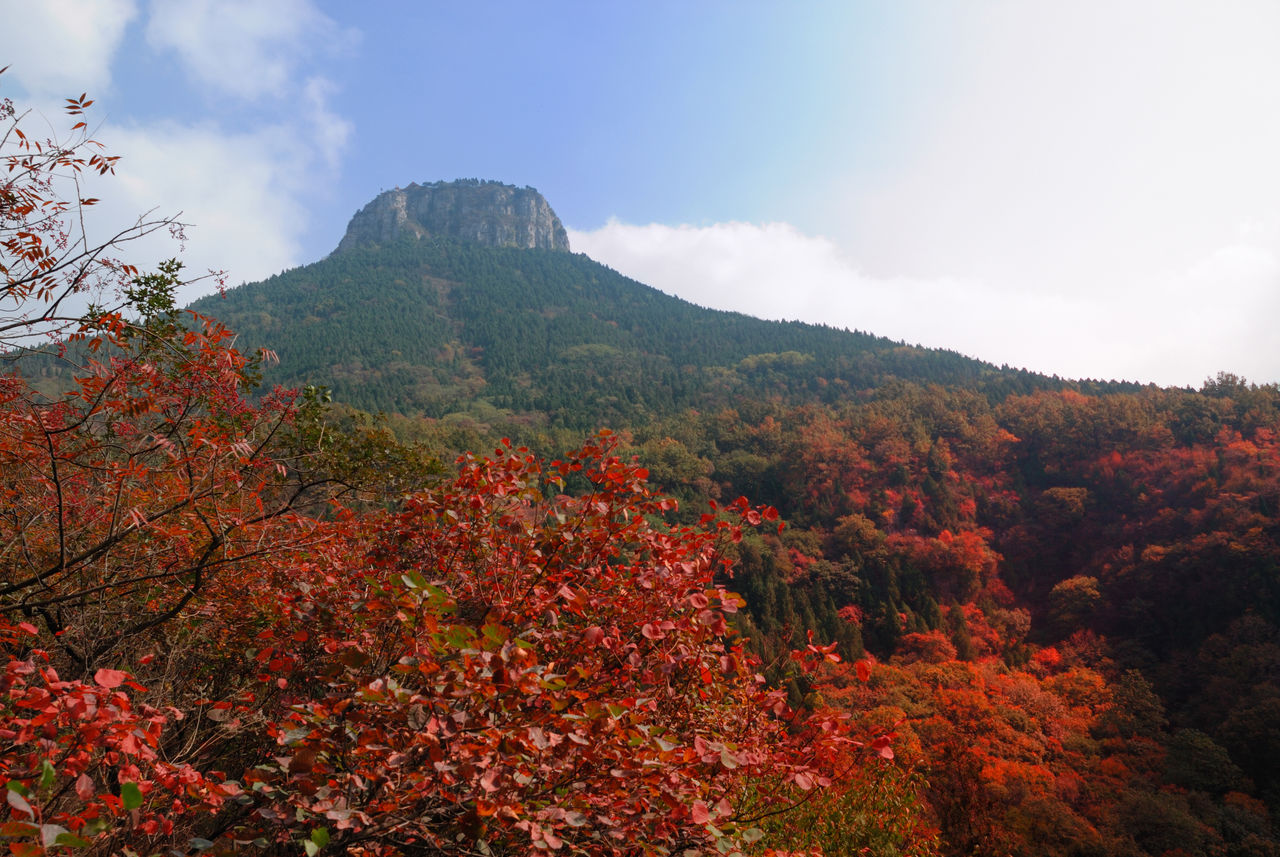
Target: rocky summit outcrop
pixel 483 212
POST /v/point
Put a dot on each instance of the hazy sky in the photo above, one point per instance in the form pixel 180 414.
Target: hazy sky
pixel 1084 188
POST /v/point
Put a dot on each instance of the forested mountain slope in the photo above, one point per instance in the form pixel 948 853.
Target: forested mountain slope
pixel 434 326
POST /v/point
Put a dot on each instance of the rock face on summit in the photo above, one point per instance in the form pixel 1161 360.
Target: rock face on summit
pixel 484 212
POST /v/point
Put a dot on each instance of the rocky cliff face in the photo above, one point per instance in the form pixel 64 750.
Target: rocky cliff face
pixel 484 212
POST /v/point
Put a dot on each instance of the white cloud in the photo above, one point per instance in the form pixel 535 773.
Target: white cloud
pixel 1102 180
pixel 245 189
pixel 328 130
pixel 243 48
pixel 1078 145
pixel 1209 317
pixel 63 47
pixel 240 192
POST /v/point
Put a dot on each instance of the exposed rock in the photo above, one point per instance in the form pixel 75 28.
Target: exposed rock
pixel 485 212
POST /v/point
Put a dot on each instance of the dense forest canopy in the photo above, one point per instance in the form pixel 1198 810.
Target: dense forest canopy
pixel 434 327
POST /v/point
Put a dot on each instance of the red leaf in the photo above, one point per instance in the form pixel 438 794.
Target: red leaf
pixel 110 678
pixel 700 813
pixel 489 782
pixel 863 669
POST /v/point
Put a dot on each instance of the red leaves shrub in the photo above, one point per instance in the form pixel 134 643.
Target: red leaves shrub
pixel 82 759
pixel 511 665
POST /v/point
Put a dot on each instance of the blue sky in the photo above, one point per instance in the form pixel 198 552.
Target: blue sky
pixel 1087 189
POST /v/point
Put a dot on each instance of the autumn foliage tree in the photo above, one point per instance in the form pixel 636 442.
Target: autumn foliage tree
pixel 509 667
pixel 128 500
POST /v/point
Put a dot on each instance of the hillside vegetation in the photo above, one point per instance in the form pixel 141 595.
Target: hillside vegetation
pixel 609 574
pixel 434 327
pixel 1073 588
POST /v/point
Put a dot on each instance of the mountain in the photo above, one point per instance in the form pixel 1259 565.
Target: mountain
pixel 449 297
pixel 488 213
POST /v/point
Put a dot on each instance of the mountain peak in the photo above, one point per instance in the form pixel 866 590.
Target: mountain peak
pixel 481 212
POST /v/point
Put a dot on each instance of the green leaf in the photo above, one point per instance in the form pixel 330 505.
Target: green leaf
pixel 48 776
pixel 70 840
pixel 94 826
pixel 131 795
pixel 320 836
pixel 310 847
pixel 198 844
pixel 437 594
pixel 459 637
